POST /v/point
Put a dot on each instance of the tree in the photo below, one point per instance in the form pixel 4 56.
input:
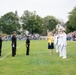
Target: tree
pixel 50 23
pixel 68 27
pixel 71 23
pixel 9 23
pixel 31 22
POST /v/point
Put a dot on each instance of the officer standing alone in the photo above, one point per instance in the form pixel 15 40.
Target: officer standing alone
pixel 27 45
pixel 0 44
pixel 14 42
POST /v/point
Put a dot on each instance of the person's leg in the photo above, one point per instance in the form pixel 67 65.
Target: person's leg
pixel 60 51
pixel 13 51
pixel 52 47
pixel 27 51
pixel 64 52
pixel 56 48
pixel 51 52
pixel 0 52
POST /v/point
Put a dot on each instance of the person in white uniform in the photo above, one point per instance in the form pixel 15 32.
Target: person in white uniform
pixel 64 43
pixel 60 36
pixel 56 42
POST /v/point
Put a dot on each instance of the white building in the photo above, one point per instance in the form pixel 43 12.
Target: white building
pixel 60 27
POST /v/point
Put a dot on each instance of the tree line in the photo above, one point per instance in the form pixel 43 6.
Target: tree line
pixel 32 22
pixel 71 23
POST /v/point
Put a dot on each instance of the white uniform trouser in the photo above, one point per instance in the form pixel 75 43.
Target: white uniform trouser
pixel 60 50
pixel 64 52
pixel 56 48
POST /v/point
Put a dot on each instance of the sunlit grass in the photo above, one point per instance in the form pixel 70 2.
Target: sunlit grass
pixel 39 62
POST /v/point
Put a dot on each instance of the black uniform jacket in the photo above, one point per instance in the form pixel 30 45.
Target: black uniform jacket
pixel 28 42
pixel 14 41
pixel 0 42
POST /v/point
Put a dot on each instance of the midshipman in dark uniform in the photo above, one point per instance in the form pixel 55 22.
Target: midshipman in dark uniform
pixel 0 44
pixel 27 45
pixel 14 41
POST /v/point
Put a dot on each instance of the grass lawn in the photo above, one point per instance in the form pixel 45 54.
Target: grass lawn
pixel 39 62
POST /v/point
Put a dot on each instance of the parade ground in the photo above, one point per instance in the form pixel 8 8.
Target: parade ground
pixel 39 62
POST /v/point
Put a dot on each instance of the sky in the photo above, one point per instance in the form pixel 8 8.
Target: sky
pixel 56 8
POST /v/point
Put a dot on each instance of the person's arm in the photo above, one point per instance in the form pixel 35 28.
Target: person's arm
pixel 11 40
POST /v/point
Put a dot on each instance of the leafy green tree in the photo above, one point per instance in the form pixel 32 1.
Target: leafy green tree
pixel 49 23
pixel 71 23
pixel 9 23
pixel 32 22
pixel 68 27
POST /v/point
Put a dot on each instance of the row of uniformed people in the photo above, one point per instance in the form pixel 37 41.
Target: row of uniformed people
pixel 14 44
pixel 61 42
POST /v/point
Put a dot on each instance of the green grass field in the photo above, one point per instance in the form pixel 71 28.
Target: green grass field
pixel 39 62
